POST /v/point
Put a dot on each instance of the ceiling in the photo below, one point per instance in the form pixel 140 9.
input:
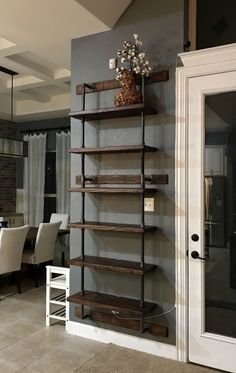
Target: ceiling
pixel 35 41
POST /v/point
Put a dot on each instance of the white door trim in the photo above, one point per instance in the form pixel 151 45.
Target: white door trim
pixel 192 64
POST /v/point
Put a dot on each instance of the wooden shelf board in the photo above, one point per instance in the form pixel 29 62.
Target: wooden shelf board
pixel 122 179
pixel 110 264
pixel 126 190
pixel 155 329
pixel 113 112
pixel 155 77
pixel 113 227
pixel 107 318
pixel 111 302
pixel 113 149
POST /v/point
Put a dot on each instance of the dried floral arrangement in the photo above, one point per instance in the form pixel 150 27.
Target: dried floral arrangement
pixel 133 59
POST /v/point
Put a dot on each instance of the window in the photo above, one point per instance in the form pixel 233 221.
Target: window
pixel 50 173
pixel 50 177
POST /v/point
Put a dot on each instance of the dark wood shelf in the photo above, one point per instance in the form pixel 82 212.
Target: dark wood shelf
pixel 113 112
pixel 113 149
pixel 122 179
pixel 148 191
pixel 114 265
pixel 107 318
pixel 113 227
pixel 111 302
pixel 154 77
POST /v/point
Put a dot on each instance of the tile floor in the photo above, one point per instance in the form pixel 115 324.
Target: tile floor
pixel 28 346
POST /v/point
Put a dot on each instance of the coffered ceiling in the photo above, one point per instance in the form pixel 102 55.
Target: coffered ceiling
pixel 35 41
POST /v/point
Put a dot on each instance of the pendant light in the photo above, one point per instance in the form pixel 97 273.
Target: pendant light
pixel 12 147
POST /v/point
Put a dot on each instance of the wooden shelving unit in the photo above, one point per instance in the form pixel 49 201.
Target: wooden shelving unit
pixel 122 179
pixel 114 265
pixel 155 77
pixel 111 304
pixel 112 227
pixel 114 149
pixel 115 190
pixel 113 112
pixel 133 324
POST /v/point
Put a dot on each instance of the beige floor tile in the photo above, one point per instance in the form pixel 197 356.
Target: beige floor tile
pixel 22 353
pixel 7 339
pixel 22 327
pixel 52 336
pixel 16 309
pixel 28 346
pixel 7 317
pixel 36 295
pixel 33 369
pixel 58 360
pixel 56 335
pixel 36 313
pixel 10 304
pixel 6 367
pixel 81 345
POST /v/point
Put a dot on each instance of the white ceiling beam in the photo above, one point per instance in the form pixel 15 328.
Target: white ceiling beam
pixel 62 74
pixel 24 81
pixel 40 115
pixel 40 77
pixel 30 82
pixel 34 94
pixel 26 108
pixel 11 50
pixel 26 63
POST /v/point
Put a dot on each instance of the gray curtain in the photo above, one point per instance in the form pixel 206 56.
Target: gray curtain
pixel 63 172
pixel 34 177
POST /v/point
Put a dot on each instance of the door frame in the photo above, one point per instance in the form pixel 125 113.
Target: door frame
pixel 189 65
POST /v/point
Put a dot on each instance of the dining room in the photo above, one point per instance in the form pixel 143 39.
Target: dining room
pixel 35 176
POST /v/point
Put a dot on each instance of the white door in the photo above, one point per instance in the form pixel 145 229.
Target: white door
pixel 212 222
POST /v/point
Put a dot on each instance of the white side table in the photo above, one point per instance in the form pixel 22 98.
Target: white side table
pixel 57 278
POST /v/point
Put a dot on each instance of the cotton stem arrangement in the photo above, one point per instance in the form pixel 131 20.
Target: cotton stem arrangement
pixel 132 59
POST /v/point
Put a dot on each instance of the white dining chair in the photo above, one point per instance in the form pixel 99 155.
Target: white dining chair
pixel 11 248
pixel 63 218
pixel 43 250
pixel 62 242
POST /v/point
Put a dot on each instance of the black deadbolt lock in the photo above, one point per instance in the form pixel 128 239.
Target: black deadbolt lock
pixel 195 255
pixel 195 237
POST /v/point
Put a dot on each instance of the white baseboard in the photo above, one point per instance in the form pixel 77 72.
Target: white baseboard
pixel 120 339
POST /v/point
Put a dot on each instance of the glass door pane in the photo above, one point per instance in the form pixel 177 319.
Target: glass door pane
pixel 220 214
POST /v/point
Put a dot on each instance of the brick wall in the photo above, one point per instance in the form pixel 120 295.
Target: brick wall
pixel 7 172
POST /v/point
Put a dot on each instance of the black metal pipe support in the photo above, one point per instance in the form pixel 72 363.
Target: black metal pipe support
pixel 83 200
pixel 142 205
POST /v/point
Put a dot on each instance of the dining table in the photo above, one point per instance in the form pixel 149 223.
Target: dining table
pixel 32 233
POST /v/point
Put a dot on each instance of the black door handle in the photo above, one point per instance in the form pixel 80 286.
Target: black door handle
pixel 195 255
pixel 195 237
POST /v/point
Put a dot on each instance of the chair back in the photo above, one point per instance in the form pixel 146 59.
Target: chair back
pixel 11 248
pixel 45 242
pixel 63 218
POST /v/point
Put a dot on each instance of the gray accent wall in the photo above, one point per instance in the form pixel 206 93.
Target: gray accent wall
pixel 160 26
